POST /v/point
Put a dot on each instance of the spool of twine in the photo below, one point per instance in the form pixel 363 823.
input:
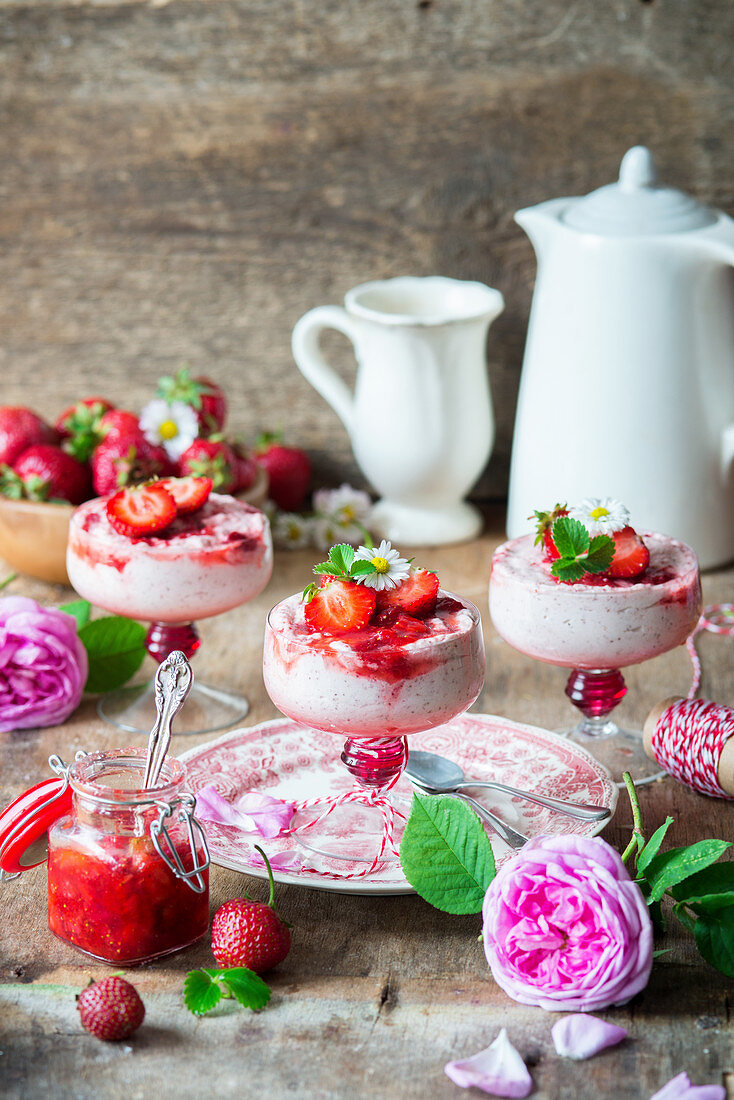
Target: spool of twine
pixel 693 740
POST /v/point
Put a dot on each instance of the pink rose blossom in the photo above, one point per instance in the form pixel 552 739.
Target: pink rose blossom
pixel 253 812
pixel 566 928
pixel 680 1088
pixel 498 1070
pixel 43 665
pixel 580 1036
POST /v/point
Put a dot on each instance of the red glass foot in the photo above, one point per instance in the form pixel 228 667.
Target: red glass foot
pixel 163 638
pixel 375 761
pixel 596 692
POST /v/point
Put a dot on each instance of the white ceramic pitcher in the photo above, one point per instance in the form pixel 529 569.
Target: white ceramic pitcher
pixel 420 419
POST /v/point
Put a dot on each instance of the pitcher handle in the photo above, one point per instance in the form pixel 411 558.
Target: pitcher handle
pixel 313 366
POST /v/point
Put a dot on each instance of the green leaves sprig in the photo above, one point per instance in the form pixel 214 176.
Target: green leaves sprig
pixel 579 552
pixel 204 989
pixel 341 563
pixel 115 646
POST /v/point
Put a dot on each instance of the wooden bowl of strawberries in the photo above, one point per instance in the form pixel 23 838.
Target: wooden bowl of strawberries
pixel 94 449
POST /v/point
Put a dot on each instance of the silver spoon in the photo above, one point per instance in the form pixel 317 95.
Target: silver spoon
pixel 437 774
pixel 510 836
pixel 172 683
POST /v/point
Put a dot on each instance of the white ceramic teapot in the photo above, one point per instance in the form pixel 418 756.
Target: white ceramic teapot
pixel 628 380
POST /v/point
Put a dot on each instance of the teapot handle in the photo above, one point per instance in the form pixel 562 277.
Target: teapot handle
pixel 726 457
pixel 313 366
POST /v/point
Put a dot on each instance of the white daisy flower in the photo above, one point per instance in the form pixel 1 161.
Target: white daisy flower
pixel 390 568
pixel 291 531
pixel 174 426
pixel 600 516
pixel 345 505
pixel 327 531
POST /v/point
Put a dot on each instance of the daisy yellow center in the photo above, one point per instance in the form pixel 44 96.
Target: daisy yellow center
pixel 381 565
pixel 168 429
pixel 597 513
pixel 348 512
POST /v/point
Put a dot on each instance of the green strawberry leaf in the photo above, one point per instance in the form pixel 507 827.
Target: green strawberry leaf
pixel 341 557
pixel 245 986
pixel 714 935
pixel 361 568
pixel 80 610
pixel 707 890
pixel 651 849
pixel 667 869
pixel 324 569
pixel 600 554
pixel 566 569
pixel 116 648
pixel 201 992
pixel 446 855
pixel 570 536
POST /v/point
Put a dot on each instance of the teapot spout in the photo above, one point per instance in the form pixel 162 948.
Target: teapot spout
pixel 541 222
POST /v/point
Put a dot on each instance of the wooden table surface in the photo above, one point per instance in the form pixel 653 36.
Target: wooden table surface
pixel 377 992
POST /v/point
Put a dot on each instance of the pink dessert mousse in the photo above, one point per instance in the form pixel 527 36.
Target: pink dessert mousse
pixel 394 676
pixel 202 564
pixel 599 622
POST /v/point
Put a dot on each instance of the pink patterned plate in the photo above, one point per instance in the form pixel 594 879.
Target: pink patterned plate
pixel 291 761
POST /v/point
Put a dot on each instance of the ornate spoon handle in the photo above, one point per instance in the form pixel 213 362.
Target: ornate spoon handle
pixel 172 683
pixel 583 810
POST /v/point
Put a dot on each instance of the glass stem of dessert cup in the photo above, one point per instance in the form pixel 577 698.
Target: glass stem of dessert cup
pixel 596 692
pixel 207 709
pixel 355 830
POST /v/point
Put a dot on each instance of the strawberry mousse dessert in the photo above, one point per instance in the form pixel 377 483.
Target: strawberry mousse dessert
pixel 590 593
pixel 169 552
pixel 374 650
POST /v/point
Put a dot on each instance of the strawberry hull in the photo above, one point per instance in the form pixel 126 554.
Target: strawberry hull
pixel 203 564
pixel 600 622
pixel 379 681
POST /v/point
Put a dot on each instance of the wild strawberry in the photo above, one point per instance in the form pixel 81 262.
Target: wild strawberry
pixel 340 606
pixel 210 458
pixel 250 933
pixel 205 396
pixel 631 556
pixel 190 493
pixel 545 521
pixel 121 460
pixel 289 470
pixel 111 1009
pixel 141 511
pixel 79 426
pixel 20 428
pixel 64 477
pixel 416 596
pixel 119 422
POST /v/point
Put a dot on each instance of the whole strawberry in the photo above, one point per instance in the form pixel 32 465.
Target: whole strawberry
pixel 111 1009
pixel 250 933
pixel 289 470
pixel 126 459
pixel 211 458
pixel 205 396
pixel 246 468
pixel 21 428
pixel 83 413
pixel 120 422
pixel 544 529
pixel 64 477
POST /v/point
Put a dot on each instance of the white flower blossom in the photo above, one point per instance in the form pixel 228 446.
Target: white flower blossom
pixel 174 426
pixel 291 531
pixel 390 568
pixel 345 505
pixel 600 517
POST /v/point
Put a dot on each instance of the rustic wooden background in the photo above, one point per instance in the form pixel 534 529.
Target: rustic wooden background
pixel 182 180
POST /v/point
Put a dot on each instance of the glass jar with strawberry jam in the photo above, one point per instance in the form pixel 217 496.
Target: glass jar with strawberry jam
pixel 128 876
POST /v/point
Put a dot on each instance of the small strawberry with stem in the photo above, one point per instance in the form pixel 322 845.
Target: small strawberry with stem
pixel 111 1009
pixel 544 528
pixel 250 933
pixel 204 396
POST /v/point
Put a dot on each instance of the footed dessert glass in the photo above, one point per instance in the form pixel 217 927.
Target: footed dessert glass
pixel 204 564
pixel 595 628
pixel 374 686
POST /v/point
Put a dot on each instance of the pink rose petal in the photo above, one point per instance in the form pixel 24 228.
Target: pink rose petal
pixel 252 813
pixel 580 1036
pixel 680 1088
pixel 292 860
pixel 498 1070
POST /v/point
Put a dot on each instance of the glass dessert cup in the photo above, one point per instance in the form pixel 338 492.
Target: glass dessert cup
pixel 596 629
pixel 375 690
pixel 185 574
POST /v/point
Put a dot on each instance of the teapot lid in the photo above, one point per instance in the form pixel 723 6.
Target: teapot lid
pixel 637 204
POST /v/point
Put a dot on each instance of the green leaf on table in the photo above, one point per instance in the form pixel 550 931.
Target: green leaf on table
pixel 446 855
pixel 667 869
pixel 651 849
pixel 707 890
pixel 80 610
pixel 203 989
pixel 714 934
pixel 116 648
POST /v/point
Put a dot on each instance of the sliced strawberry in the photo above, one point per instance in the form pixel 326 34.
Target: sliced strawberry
pixel 416 596
pixel 340 606
pixel 141 511
pixel 631 556
pixel 545 521
pixel 404 625
pixel 325 578
pixel 188 492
